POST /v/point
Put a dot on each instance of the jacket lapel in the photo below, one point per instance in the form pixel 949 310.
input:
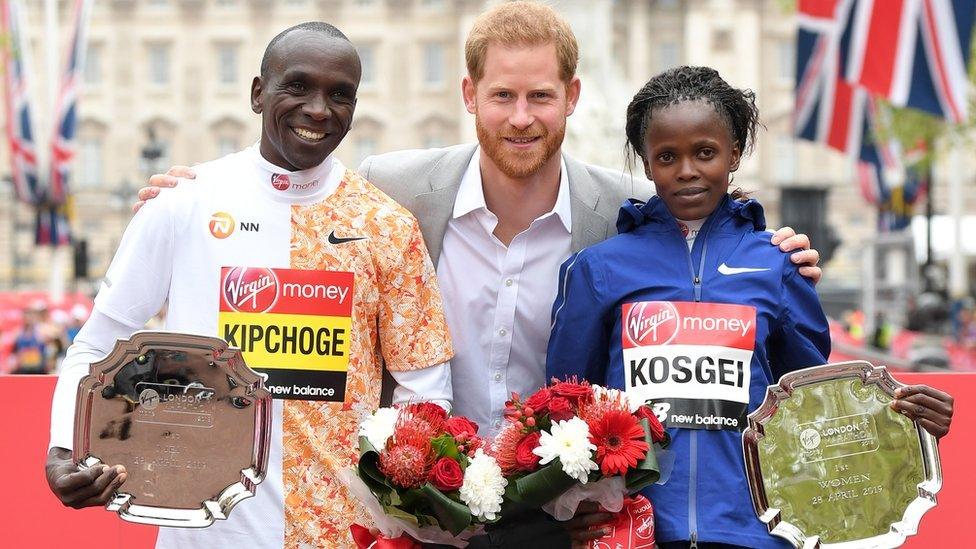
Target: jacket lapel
pixel 434 206
pixel 589 227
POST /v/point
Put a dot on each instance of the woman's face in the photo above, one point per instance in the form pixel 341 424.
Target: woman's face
pixel 689 154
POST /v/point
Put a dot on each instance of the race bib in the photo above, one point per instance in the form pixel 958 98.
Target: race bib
pixel 293 325
pixel 692 359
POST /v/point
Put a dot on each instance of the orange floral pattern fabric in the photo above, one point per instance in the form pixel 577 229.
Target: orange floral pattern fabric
pixel 397 320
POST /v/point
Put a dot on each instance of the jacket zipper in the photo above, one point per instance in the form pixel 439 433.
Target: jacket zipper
pixel 696 280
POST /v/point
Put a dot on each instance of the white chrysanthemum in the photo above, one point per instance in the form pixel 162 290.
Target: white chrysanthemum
pixel 570 442
pixel 378 427
pixel 611 394
pixel 484 486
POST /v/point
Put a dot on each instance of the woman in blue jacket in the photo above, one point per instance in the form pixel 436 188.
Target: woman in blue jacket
pixel 689 306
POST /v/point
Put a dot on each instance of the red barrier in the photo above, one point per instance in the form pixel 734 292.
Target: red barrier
pixel 33 517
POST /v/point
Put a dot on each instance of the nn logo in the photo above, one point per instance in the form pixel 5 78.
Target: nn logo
pixel 222 225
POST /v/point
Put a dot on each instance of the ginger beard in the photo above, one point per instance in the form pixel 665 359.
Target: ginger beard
pixel 519 163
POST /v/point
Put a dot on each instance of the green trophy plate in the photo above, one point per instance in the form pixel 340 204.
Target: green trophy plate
pixel 831 465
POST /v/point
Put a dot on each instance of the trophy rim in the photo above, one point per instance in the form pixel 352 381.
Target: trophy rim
pixel 232 361
pixel 868 373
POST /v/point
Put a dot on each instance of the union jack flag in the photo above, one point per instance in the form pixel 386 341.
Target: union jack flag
pixel 66 122
pixel 19 130
pixel 914 53
pixel 843 113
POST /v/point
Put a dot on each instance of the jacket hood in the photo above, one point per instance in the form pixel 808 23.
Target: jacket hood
pixel 635 213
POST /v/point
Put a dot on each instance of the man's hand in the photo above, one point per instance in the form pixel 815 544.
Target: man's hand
pixel 589 523
pixel 160 180
pixel 92 487
pixel 787 240
pixel 930 407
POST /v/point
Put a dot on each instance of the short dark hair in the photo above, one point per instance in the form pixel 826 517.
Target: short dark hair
pixel 313 26
pixel 736 107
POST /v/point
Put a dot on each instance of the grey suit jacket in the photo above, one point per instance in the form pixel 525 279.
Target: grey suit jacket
pixel 426 183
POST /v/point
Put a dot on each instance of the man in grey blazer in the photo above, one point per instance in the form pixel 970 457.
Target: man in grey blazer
pixel 500 216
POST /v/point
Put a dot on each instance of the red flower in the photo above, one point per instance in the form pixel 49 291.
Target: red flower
pixel 539 402
pixel 427 410
pixel 657 430
pixel 619 441
pixel 573 391
pixel 503 448
pixel 446 475
pixel 560 409
pixel 426 417
pixel 406 465
pixel 460 426
pixel 524 458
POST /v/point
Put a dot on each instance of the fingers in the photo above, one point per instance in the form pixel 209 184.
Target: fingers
pixel 138 205
pixel 813 273
pixel 582 538
pixel 930 407
pixel 782 234
pixel 163 180
pixel 81 490
pixel 808 258
pixel 107 493
pixel 795 242
pixel 185 172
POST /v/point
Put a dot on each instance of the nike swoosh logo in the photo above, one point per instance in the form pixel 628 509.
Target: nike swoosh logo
pixel 333 239
pixel 726 270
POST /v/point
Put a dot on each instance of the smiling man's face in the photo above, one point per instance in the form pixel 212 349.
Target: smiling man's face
pixel 306 99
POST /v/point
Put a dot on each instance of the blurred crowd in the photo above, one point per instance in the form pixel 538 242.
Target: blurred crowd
pixel 36 343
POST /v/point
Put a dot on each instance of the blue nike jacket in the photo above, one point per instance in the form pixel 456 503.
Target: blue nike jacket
pixel 702 334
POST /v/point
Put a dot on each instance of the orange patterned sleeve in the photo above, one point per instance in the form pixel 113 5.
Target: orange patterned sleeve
pixel 412 328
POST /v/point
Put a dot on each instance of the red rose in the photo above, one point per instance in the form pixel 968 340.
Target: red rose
pixel 446 475
pixel 524 458
pixel 575 392
pixel 560 409
pixel 427 409
pixel 657 430
pixel 460 425
pixel 539 402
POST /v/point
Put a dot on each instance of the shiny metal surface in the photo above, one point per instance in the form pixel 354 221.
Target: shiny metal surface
pixel 187 418
pixel 831 465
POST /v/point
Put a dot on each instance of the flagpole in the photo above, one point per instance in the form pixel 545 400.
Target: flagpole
pixel 56 284
pixel 958 284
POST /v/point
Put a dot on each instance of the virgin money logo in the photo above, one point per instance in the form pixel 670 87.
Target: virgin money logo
pixel 280 181
pixel 221 225
pixel 250 289
pixel 651 323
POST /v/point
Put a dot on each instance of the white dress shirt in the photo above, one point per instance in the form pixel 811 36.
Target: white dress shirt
pixel 498 299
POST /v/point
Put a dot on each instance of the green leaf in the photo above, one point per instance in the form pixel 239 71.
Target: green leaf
pixel 445 446
pixel 369 469
pixel 542 486
pixel 451 515
pixel 647 471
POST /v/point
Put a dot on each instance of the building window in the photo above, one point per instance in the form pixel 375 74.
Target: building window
pixel 784 163
pixel 433 64
pixel 93 65
pixel 159 64
pixel 368 59
pixel 785 60
pixel 226 144
pixel 722 41
pixel 227 63
pixel 90 162
pixel 668 55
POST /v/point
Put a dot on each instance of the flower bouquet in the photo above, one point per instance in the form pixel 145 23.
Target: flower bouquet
pixel 572 442
pixel 425 475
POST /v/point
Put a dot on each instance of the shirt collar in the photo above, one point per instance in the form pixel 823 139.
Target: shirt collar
pixel 471 194
pixel 304 186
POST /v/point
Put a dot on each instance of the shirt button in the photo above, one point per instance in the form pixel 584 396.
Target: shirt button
pixel 502 331
pixel 509 282
pixel 498 377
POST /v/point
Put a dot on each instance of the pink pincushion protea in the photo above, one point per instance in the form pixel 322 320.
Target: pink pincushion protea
pixel 406 465
pixel 503 448
pixel 409 456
